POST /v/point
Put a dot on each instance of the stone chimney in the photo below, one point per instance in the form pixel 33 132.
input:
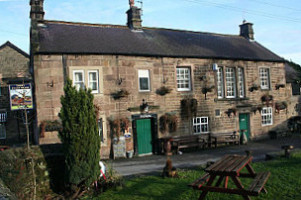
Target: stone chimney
pixel 246 30
pixel 134 16
pixel 37 10
pixel 37 17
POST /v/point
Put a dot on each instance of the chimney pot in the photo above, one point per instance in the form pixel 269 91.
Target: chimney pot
pixel 132 3
pixel 134 17
pixel 37 10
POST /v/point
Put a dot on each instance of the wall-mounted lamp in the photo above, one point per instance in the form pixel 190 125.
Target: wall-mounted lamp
pixel 203 78
pixel 120 80
pixel 214 66
pixel 50 84
pixel 144 106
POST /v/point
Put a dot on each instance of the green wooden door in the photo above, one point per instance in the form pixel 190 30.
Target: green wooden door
pixel 144 136
pixel 244 124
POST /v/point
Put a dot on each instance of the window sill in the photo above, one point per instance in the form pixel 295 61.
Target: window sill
pixel 184 90
pixel 265 89
pixel 264 125
pixel 231 99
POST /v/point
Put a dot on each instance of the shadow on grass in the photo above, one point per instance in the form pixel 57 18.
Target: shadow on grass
pixel 156 187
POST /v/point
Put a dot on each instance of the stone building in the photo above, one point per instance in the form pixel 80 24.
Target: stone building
pixel 14 69
pixel 166 82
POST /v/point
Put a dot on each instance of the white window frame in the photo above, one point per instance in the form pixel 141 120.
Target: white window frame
pixel 220 83
pixel 230 82
pixel 97 81
pixel 100 129
pixel 183 78
pixel 200 124
pixel 264 78
pixel 267 116
pixel 144 73
pixel 241 80
pixel 2 131
pixel 76 83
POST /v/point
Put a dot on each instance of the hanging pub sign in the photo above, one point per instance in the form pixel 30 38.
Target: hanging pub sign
pixel 20 96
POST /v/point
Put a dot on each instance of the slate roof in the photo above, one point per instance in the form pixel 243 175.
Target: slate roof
pixel 291 74
pixel 9 44
pixel 77 38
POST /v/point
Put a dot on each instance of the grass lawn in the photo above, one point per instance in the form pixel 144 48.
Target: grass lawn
pixel 284 183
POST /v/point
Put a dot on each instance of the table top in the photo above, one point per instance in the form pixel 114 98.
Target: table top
pixel 229 165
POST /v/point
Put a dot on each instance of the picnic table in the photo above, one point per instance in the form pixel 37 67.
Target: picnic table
pixel 230 166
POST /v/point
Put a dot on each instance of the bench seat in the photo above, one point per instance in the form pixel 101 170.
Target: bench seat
pixel 200 182
pixel 224 138
pixel 189 141
pixel 258 184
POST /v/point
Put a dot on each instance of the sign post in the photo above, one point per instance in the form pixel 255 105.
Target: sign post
pixel 21 99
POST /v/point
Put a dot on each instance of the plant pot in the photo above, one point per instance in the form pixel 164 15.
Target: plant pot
pixel 129 154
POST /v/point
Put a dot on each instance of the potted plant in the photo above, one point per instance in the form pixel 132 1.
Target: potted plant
pixel 189 107
pixel 230 111
pixel 206 89
pixel 280 86
pixel 120 94
pixel 168 122
pixel 163 123
pixel 254 87
pixel 280 106
pixel 163 90
pixel 267 99
pixel 173 123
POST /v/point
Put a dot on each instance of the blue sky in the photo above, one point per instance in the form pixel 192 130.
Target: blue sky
pixel 277 23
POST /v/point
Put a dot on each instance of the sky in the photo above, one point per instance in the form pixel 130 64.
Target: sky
pixel 277 23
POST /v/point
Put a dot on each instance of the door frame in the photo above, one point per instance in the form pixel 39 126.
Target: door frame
pixel 154 130
pixel 249 124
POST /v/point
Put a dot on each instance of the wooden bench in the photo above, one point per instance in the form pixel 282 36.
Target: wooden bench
pixel 200 182
pixel 258 184
pixel 189 141
pixel 228 168
pixel 224 138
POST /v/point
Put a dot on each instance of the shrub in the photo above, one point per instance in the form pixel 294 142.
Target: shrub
pixel 79 136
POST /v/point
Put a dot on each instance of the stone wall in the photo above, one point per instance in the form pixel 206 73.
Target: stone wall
pixel 124 69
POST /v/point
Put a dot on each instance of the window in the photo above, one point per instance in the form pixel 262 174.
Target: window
pixel 220 83
pixel 100 129
pixel 87 78
pixel 2 131
pixel 228 86
pixel 78 79
pixel 200 125
pixel 295 89
pixel 267 116
pixel 230 82
pixel 93 80
pixel 218 113
pixel 264 76
pixel 241 82
pixel 144 83
pixel 183 79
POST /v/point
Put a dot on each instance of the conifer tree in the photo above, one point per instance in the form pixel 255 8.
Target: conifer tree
pixel 79 136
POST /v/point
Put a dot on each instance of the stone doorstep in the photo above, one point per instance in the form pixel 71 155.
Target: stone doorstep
pixel 50 141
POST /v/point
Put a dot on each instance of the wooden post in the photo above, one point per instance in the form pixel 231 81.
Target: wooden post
pixel 27 128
